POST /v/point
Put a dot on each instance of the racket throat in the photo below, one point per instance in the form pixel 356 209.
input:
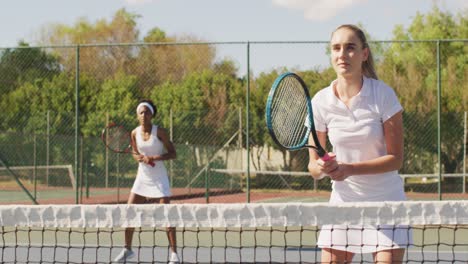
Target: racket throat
pixel 320 151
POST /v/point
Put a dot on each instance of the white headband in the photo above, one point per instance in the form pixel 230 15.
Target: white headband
pixel 147 105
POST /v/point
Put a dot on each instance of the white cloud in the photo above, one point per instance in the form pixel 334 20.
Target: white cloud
pixel 318 9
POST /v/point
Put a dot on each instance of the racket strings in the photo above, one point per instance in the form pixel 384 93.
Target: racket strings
pixel 117 138
pixel 289 113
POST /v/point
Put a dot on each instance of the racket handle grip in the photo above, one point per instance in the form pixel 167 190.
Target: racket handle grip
pixel 325 157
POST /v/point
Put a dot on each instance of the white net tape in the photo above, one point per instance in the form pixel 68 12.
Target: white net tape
pixel 236 215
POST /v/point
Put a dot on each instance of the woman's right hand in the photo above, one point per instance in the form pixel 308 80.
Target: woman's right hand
pixel 319 168
pixel 140 158
pixel 329 165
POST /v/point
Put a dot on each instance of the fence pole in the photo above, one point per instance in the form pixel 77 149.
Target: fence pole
pixel 240 131
pixel 240 146
pixel 81 168
pixel 87 178
pixel 35 166
pixel 77 121
pixel 171 136
pixel 118 177
pixel 47 147
pixel 439 185
pixel 464 151
pixel 247 125
pixel 107 155
pixel 207 184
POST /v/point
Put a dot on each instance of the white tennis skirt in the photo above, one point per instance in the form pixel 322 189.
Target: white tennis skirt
pixel 365 239
pixel 152 182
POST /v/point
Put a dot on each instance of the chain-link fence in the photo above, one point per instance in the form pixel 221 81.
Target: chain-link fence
pixel 56 101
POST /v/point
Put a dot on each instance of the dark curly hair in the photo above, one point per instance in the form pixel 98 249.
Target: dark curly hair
pixel 150 102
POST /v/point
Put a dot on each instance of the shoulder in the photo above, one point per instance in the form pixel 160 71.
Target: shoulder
pixel 160 131
pixel 379 92
pixel 324 98
pixel 324 95
pixel 135 130
pixel 378 87
pixel 383 97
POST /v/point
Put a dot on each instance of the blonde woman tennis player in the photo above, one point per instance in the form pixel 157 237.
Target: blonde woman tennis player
pixel 152 183
pixel 362 118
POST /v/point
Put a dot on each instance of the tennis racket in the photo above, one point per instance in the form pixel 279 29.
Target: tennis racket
pixel 118 139
pixel 289 115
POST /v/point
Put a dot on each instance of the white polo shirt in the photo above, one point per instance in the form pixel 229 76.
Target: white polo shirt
pixel 356 134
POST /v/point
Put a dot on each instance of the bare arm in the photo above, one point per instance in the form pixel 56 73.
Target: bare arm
pixel 316 166
pixel 138 157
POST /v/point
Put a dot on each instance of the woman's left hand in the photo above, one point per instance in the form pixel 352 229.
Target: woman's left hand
pixel 340 173
pixel 146 159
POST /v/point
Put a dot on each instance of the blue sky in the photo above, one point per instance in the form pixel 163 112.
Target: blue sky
pixel 223 20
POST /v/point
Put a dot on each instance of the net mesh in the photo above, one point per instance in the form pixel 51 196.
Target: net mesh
pixel 223 233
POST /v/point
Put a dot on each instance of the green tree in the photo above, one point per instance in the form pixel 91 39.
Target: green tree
pixel 38 107
pixel 25 64
pixel 201 103
pixel 202 112
pixel 160 60
pixel 97 61
pixel 116 99
pixel 411 69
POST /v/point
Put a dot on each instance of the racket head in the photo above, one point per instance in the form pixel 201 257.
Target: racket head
pixel 117 138
pixel 289 112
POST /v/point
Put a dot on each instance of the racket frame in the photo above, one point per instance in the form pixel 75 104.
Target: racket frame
pixel 128 149
pixel 304 143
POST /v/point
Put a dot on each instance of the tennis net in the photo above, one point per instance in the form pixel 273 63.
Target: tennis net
pixel 223 233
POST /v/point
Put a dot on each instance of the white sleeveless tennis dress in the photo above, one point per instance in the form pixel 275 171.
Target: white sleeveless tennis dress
pixel 152 182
